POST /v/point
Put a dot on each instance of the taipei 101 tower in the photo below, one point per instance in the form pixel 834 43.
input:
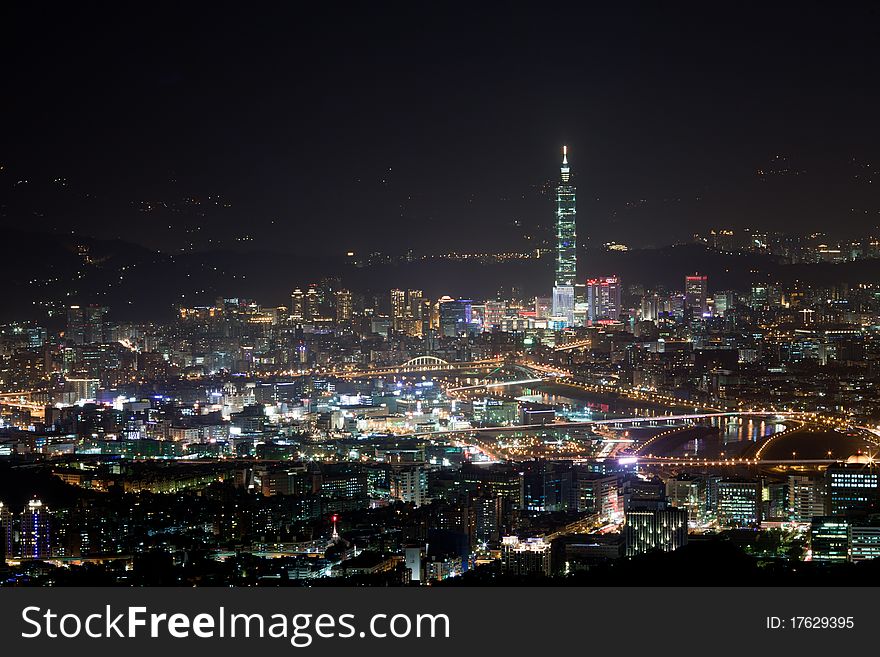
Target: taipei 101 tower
pixel 566 245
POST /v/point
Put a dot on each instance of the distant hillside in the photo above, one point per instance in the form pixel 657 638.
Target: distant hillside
pixel 139 284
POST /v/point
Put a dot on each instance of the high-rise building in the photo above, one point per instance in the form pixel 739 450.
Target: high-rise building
pixel 494 481
pixel 864 542
pixel 487 518
pixel 603 298
pixel 689 493
pixel 398 306
pixel 830 539
pixel 853 488
pixel 343 306
pixel 493 315
pixel 455 317
pixel 655 529
pixel 414 299
pixel 524 557
pixel 35 539
pixel 696 293
pixel 566 244
pixel 804 498
pixel 724 300
pixel 595 493
pixel 563 303
pixel 312 305
pixel 85 324
pixel 7 534
pixel 297 304
pixel 543 307
pixel 739 503
pixel 409 484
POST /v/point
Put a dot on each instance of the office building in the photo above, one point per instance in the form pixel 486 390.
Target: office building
pixel 603 299
pixel 415 303
pixel 409 484
pixel 493 315
pixel 853 488
pixel 563 304
pixel 739 503
pixel 595 492
pixel 399 309
pixel 829 539
pixel 646 530
pixel 864 542
pixel 724 300
pixel 297 305
pixel 696 294
pixel 35 538
pixel 311 305
pixel 344 306
pixel 455 317
pixel 543 307
pixel 804 498
pixel 689 493
pixel 8 533
pixel 525 557
pixel 494 481
pixel 85 324
pixel 566 244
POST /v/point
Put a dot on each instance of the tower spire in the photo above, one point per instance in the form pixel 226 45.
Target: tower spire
pixel 564 170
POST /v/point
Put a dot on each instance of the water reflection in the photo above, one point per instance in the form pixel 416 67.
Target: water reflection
pixel 709 437
pixel 600 407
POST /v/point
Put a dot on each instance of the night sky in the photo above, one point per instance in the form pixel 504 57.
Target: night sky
pixel 436 126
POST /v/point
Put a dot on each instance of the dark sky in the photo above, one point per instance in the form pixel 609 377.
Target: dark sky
pixel 433 126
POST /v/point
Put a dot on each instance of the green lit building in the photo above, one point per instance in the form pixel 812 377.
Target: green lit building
pixel 566 244
pixel 830 539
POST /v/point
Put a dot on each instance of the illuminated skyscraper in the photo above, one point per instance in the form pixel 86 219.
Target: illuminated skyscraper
pixel 343 306
pixel 603 298
pixel 455 317
pixel 414 300
pixel 312 306
pixel 85 324
pixel 409 484
pixel 297 304
pixel 35 537
pixel 398 306
pixel 523 557
pixel 7 534
pixel 655 529
pixel 695 288
pixel 566 244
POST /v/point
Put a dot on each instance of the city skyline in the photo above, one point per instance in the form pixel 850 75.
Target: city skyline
pixel 440 294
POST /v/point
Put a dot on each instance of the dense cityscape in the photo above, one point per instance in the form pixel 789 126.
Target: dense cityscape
pixel 604 429
pixel 438 294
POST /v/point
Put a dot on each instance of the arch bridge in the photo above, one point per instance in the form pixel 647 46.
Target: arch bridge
pixel 421 363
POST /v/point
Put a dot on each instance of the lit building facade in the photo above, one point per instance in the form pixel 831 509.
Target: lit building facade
pixel 344 306
pixel 829 539
pixel 696 293
pixel 603 299
pixel 566 244
pixel 35 538
pixel 864 543
pixel 524 557
pixel 739 503
pixel 410 484
pixel 646 530
pixel 7 533
pixel 853 488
